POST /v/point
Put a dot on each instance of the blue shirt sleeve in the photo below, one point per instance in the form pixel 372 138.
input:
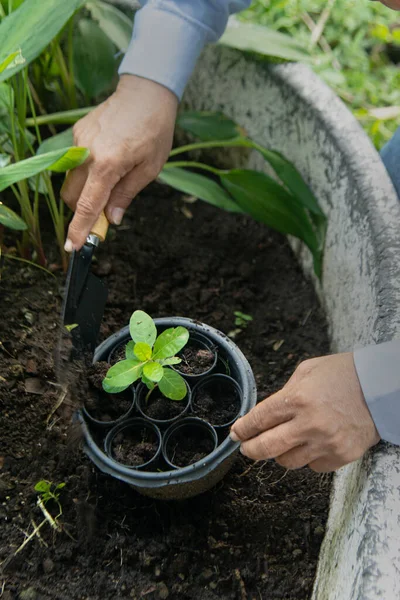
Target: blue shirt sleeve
pixel 378 370
pixel 169 35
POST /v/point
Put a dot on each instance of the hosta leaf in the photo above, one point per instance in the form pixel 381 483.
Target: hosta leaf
pixel 94 62
pixel 59 161
pixel 31 28
pixel 142 328
pixel 208 126
pixel 57 142
pixel 10 219
pixel 115 24
pixel 122 375
pixel 170 342
pixel 200 186
pixel 142 351
pixel 129 350
pixel 153 371
pixel 172 385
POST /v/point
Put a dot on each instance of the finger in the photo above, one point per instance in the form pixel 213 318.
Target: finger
pixel 297 457
pixel 125 190
pixel 272 443
pixel 92 200
pixel 73 186
pixel 269 413
pixel 325 465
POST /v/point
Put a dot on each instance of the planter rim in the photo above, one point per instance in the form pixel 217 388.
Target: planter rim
pixel 167 422
pixel 186 421
pixel 127 425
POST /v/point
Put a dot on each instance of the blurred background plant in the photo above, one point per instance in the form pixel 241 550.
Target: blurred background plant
pixel 355 45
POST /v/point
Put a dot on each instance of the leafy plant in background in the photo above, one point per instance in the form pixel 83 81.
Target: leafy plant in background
pixel 69 48
pixel 354 46
pixel 148 357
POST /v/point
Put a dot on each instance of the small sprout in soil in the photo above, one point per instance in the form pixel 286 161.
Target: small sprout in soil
pixel 242 320
pixel 71 327
pixel 49 491
pixel 148 357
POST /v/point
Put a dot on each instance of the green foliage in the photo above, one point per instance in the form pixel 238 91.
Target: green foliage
pixel 148 358
pixel 351 55
pixel 8 218
pixel 241 319
pixel 49 490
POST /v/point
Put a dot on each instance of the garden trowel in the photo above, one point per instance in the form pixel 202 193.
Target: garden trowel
pixel 85 294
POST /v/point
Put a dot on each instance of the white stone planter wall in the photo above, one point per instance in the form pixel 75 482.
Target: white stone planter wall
pixel 289 109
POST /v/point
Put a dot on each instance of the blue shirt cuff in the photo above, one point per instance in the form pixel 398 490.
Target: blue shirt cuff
pixel 164 48
pixel 378 370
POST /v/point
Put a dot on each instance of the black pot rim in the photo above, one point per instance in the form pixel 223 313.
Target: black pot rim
pixel 164 421
pixel 144 479
pixel 186 421
pixel 198 337
pixel 204 382
pixel 127 425
pixel 107 424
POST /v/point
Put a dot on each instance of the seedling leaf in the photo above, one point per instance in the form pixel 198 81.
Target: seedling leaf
pixel 142 351
pixel 142 328
pixel 122 375
pixel 174 360
pixel 129 351
pixel 170 342
pixel 172 385
pixel 153 371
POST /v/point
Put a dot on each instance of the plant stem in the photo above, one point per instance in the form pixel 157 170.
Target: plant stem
pixel 66 117
pixel 193 165
pixel 236 142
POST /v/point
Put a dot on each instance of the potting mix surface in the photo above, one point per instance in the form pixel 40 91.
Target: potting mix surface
pixel 256 536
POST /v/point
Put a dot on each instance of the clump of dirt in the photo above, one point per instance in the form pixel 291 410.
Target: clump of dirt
pixel 159 407
pixel 216 402
pixel 134 447
pixel 188 445
pixel 195 360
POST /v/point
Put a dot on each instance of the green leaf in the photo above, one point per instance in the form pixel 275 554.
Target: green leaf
pixel 266 201
pixel 43 486
pixel 209 126
pixel 199 186
pixel 5 160
pixel 129 350
pixel 31 28
pixel 262 40
pixel 142 351
pixel 170 342
pixel 142 328
pixel 60 486
pixel 172 385
pixel 122 375
pixel 10 219
pixel 57 142
pixel 174 360
pixel 153 371
pixel 6 98
pixel 150 385
pixel 13 60
pixel 115 24
pixel 59 161
pixel 94 62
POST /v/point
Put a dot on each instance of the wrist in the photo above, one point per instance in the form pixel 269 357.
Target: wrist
pixel 133 84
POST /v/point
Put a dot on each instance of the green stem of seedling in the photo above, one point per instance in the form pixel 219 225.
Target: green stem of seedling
pixel 236 142
pixel 193 165
pixel 66 117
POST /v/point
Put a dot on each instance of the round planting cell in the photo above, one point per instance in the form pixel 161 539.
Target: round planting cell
pixel 167 479
pixel 106 410
pixel 188 441
pixel 217 399
pixel 157 408
pixel 199 357
pixel 135 443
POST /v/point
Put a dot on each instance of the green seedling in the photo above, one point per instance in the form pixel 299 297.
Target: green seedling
pixel 50 491
pixel 148 357
pixel 242 320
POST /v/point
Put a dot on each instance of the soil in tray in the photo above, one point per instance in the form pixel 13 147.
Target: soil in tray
pixel 161 408
pixel 188 446
pixel 195 360
pixel 258 533
pixel 218 404
pixel 101 405
pixel 118 354
pixel 134 447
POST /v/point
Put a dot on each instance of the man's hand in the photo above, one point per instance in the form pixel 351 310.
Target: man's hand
pixel 129 137
pixel 319 418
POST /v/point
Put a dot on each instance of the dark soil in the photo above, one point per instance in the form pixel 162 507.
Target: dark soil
pixel 217 403
pixel 161 408
pixel 117 355
pixel 188 445
pixel 195 360
pixel 134 447
pixel 255 535
pixel 100 405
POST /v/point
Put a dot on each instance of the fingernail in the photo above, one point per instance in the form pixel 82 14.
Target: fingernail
pixel 68 246
pixel 233 436
pixel 117 215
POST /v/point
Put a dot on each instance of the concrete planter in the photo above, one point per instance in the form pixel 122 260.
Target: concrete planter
pixel 289 109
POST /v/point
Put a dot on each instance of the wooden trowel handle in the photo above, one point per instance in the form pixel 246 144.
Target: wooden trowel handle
pixel 100 228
